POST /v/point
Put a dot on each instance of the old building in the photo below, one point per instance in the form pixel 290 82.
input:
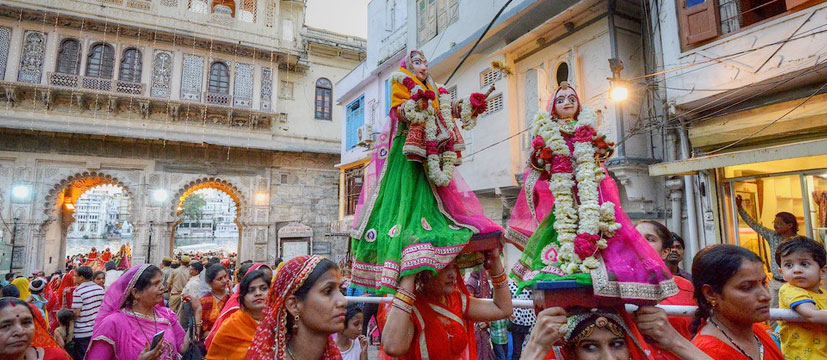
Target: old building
pixel 744 81
pixel 162 98
pixel 542 43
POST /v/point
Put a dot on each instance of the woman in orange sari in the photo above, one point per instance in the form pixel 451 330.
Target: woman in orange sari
pixel 233 304
pixel 733 304
pixel 212 302
pixel 433 316
pixel 233 337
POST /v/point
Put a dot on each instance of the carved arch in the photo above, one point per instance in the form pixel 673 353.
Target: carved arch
pixel 85 180
pixel 204 183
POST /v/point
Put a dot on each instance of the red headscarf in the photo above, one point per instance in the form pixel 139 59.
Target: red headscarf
pixel 58 302
pixel 270 341
pixel 232 305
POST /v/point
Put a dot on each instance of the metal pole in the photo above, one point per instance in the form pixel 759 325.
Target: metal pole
pixel 671 310
pixel 149 246
pixel 619 121
pixel 13 236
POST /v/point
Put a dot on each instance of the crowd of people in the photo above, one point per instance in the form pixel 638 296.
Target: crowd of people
pixel 297 310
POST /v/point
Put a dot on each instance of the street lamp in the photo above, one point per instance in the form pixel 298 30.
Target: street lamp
pixel 618 92
pixel 21 192
pixel 159 195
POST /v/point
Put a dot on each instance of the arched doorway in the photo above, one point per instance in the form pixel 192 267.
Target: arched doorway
pixel 87 210
pixel 207 216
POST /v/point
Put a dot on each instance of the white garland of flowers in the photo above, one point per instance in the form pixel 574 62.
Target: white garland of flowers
pixel 438 167
pixel 589 217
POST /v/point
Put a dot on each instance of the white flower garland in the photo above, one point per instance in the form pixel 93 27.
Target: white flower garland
pixel 590 217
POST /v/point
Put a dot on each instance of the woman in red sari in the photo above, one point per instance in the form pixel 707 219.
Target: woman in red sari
pixel 39 345
pixel 432 316
pixel 62 298
pixel 304 307
pixel 733 304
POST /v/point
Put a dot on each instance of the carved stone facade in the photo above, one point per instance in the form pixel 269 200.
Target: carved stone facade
pixel 144 117
pixel 270 188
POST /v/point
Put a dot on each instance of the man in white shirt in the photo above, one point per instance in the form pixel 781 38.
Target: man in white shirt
pixel 111 274
pixel 191 302
pixel 86 301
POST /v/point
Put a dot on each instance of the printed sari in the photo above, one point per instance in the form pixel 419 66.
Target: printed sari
pixel 210 309
pixel 272 334
pixel 59 298
pixel 121 333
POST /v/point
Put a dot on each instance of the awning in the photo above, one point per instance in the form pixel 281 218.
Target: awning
pixel 778 152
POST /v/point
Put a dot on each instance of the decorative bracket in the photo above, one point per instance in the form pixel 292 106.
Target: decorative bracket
pixel 47 99
pixel 11 95
pixel 143 108
pixel 113 105
pixel 174 111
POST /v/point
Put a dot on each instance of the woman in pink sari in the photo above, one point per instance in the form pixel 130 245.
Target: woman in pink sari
pixel 131 314
pixel 568 219
pixel 233 303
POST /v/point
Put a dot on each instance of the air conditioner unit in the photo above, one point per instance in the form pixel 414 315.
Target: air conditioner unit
pixel 364 135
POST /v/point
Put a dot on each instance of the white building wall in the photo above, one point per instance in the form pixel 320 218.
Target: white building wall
pixel 754 54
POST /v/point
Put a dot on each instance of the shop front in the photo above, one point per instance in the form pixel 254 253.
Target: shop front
pixel 774 157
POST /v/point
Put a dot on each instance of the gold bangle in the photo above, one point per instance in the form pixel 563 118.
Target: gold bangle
pixel 402 305
pixel 405 298
pixel 406 293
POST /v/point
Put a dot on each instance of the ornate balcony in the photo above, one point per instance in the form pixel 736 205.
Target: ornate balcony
pixel 92 83
pixel 218 98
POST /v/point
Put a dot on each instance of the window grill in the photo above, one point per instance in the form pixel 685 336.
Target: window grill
pixel 495 103
pixel 489 77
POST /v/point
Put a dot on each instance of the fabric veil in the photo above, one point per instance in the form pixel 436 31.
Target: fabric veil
pixel 57 302
pixel 270 340
pixel 638 348
pixel 232 305
pixel 22 285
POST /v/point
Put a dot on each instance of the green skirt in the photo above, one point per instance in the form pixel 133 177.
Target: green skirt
pixel 404 230
pixel 531 269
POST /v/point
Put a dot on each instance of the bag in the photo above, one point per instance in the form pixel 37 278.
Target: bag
pixel 197 349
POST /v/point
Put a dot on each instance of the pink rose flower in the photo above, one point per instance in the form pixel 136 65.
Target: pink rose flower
pixel 538 142
pixel 430 94
pixel 561 164
pixel 585 245
pixel 409 83
pixel 584 134
pixel 443 91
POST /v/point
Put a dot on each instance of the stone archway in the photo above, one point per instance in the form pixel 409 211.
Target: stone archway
pixel 59 208
pixel 207 183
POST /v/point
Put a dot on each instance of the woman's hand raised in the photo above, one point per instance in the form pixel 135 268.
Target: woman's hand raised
pixel 549 330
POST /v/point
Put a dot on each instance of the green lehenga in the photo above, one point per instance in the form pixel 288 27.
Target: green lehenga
pixel 407 230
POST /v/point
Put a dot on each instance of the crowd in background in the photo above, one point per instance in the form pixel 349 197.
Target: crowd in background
pixel 203 306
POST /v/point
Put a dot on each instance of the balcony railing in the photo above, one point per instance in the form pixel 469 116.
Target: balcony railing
pixel 92 83
pixel 218 98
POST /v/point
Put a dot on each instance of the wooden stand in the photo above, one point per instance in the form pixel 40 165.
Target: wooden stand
pixel 472 256
pixel 567 294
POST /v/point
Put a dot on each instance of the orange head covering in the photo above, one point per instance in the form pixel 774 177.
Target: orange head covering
pixel 270 340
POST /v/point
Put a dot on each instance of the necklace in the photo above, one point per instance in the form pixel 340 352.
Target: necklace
pixel 154 322
pixel 290 353
pixel 760 347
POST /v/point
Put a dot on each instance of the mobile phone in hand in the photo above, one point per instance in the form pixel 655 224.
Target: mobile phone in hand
pixel 157 339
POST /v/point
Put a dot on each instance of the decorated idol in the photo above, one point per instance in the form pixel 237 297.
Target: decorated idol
pixel 415 213
pixel 568 216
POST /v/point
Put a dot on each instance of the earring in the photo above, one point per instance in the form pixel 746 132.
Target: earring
pixel 296 320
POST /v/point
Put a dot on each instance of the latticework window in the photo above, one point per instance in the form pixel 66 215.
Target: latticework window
pixel 199 6
pixel 489 77
pixel 68 57
pixel 131 66
pixel 219 78
pixel 495 103
pixel 353 187
pixel 247 13
pixel 324 99
pixel 100 62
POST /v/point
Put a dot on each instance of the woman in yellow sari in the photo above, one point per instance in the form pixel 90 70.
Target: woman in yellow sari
pixel 22 285
pixel 235 335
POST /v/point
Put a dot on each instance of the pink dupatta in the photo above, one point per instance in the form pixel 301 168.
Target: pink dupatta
pixel 123 334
